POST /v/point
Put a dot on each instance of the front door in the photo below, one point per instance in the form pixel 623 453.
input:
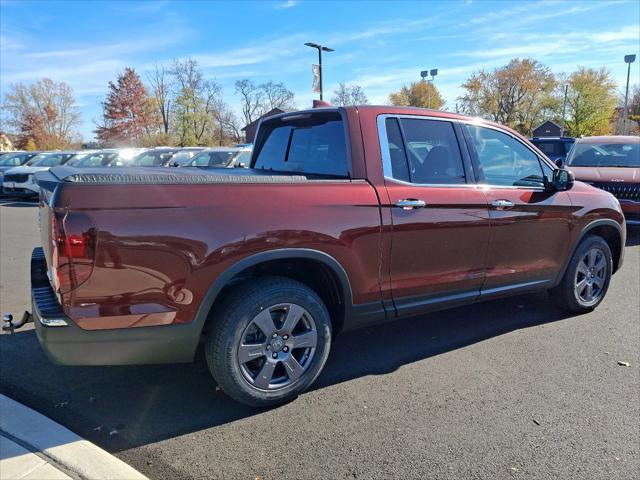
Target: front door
pixel 440 226
pixel 529 224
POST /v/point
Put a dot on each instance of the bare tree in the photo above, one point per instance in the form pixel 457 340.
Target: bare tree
pixel 349 95
pixel 276 95
pixel 161 85
pixel 227 125
pixel 251 100
pixel 44 111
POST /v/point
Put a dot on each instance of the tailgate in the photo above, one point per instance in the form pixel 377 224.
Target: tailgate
pixel 48 183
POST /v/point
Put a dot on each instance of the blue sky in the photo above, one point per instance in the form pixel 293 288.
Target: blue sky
pixel 378 45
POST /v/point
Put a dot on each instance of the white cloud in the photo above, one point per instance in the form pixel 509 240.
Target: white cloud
pixel 285 5
pixel 629 32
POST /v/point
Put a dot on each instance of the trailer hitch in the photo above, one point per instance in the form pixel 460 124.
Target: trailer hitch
pixel 9 326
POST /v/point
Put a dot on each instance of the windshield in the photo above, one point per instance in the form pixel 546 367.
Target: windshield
pixel 216 158
pixel 605 155
pixel 13 160
pixel 152 158
pixel 49 159
pixel 98 159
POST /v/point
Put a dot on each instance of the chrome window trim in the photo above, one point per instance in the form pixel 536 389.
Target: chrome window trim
pixel 386 156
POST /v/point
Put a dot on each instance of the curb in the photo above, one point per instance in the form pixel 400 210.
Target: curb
pixel 59 444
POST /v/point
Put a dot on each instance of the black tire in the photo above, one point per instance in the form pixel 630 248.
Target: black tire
pixel 237 315
pixel 565 294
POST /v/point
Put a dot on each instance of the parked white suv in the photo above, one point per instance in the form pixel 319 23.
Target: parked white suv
pixel 20 182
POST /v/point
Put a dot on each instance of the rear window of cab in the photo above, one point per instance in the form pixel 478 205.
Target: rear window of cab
pixel 308 143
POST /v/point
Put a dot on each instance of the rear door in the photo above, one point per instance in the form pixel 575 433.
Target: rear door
pixel 440 224
pixel 530 224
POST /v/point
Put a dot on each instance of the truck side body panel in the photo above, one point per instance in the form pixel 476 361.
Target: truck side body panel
pixel 157 258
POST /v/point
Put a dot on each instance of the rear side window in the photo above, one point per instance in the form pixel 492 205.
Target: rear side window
pixel 311 144
pixel 424 151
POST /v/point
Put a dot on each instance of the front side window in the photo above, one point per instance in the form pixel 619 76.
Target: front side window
pixel 312 144
pixel 244 158
pixel 503 160
pixel 424 151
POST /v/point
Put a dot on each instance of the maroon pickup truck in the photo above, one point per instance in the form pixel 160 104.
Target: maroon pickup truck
pixel 347 217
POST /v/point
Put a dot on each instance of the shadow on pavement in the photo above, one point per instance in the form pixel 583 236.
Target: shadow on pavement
pixel 633 236
pixel 124 407
pixel 18 203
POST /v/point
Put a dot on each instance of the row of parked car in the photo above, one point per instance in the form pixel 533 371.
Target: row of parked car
pixel 17 169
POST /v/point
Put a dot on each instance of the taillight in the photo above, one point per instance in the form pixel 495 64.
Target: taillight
pixel 73 239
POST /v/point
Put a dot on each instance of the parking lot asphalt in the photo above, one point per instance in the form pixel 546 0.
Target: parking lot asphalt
pixel 505 389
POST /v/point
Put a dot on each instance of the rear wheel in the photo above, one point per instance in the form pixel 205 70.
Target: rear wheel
pixel 269 342
pixel 587 278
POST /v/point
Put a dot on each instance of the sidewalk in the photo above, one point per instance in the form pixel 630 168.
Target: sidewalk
pixel 33 446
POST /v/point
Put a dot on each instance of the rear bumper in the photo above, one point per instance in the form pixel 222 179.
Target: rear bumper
pixel 65 343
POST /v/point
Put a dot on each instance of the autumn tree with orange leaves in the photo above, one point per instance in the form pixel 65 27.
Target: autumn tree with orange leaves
pixel 127 118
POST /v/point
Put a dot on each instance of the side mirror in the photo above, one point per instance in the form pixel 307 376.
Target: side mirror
pixel 241 165
pixel 563 180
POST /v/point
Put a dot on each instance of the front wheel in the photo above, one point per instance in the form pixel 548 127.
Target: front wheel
pixel 587 278
pixel 269 341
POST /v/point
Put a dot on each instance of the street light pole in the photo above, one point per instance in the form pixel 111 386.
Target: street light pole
pixel 320 49
pixel 425 73
pixel 628 59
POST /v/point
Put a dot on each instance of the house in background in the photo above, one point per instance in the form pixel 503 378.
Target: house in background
pixel 548 129
pixel 250 129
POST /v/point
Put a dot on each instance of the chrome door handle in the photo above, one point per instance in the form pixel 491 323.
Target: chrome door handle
pixel 410 204
pixel 502 204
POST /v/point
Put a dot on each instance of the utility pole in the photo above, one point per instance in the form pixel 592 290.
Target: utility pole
pixel 320 49
pixel 628 59
pixel 564 110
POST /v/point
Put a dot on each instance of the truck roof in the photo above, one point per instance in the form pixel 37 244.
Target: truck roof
pixel 394 110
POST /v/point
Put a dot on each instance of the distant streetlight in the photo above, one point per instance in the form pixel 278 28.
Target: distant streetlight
pixel 424 74
pixel 320 49
pixel 629 59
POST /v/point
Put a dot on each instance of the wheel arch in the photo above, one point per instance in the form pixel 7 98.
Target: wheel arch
pixel 611 231
pixel 276 262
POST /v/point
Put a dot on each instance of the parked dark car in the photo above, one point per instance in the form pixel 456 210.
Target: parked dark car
pixel 555 148
pixel 347 217
pixel 611 163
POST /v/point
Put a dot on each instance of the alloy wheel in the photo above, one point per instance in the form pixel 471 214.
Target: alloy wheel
pixel 591 276
pixel 277 347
